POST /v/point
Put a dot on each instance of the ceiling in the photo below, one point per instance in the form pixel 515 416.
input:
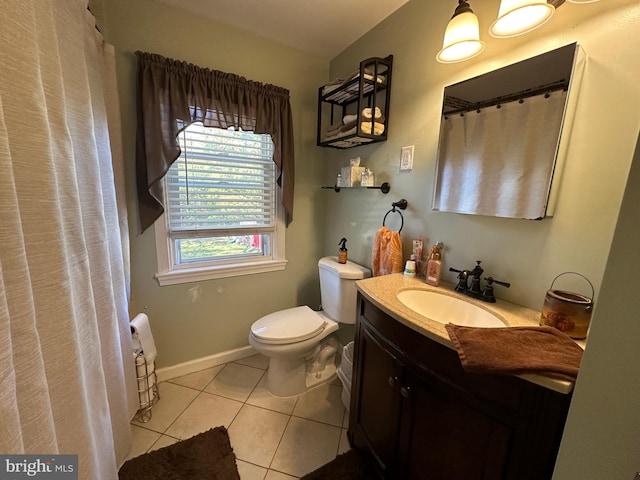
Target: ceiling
pixel 319 27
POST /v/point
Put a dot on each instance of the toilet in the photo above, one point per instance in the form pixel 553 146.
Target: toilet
pixel 297 341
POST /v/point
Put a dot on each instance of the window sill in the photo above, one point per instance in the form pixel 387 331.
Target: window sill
pixel 187 275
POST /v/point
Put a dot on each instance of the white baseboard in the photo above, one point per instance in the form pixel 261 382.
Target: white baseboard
pixel 166 373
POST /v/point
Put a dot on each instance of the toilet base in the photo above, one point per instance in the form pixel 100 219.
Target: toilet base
pixel 291 377
pixel 315 379
pixel 288 378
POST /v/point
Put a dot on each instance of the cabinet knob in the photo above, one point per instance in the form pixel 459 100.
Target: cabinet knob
pixel 392 381
pixel 405 391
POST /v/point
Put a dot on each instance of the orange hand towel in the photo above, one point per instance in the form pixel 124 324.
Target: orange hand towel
pixel 515 350
pixel 387 252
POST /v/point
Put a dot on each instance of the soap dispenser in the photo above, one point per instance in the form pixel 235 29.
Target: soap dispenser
pixel 434 265
pixel 342 253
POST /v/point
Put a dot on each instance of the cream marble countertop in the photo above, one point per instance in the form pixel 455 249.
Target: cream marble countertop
pixel 382 291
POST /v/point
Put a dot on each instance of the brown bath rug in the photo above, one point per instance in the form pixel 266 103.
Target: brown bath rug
pixel 206 456
pixel 347 466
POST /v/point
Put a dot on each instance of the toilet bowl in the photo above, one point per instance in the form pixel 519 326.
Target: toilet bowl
pixel 298 341
pixel 292 339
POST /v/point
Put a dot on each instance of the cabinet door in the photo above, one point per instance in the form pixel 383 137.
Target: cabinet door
pixel 442 436
pixel 376 413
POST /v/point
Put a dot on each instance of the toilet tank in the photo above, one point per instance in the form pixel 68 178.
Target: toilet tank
pixel 338 288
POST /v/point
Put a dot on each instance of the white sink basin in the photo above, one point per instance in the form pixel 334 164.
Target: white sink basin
pixel 446 309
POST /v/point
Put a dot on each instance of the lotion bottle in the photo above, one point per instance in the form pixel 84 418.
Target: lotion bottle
pixel 342 253
pixel 434 265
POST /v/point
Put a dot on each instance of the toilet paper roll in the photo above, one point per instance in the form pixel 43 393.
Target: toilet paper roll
pixel 141 329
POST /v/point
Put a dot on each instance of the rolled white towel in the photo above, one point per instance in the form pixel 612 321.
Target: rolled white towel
pixel 349 119
pixel 349 126
pixel 331 134
pixel 366 113
pixel 348 132
pixel 333 129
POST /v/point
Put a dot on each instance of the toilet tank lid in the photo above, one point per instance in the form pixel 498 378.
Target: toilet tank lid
pixel 349 270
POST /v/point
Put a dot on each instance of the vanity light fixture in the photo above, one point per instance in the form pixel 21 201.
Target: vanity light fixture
pixel 516 17
pixel 462 36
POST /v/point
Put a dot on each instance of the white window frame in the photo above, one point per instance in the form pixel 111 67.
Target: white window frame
pixel 170 273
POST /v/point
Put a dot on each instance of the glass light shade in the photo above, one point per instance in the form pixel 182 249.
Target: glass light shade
pixel 583 1
pixel 461 39
pixel 516 17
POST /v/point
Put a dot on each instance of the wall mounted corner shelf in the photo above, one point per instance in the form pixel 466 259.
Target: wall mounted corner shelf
pixel 384 188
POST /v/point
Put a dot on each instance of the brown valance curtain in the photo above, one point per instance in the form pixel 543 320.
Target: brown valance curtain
pixel 173 94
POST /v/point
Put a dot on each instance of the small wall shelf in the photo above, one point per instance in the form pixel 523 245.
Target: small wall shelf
pixel 367 88
pixel 384 188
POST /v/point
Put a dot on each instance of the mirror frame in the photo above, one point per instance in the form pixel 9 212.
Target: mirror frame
pixel 561 68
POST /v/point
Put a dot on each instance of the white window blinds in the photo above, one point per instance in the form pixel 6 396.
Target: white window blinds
pixel 224 181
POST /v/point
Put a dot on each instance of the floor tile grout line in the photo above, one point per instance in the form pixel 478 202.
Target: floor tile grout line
pixel 160 438
pixel 275 452
pixel 200 391
pixel 318 421
pixel 254 387
pixel 145 428
pixel 245 402
pixel 172 380
pixel 190 403
pixel 245 365
pixel 180 414
pixel 283 473
pixel 269 410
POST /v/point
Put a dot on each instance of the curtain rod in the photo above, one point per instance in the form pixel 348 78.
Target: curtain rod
pixel 469 107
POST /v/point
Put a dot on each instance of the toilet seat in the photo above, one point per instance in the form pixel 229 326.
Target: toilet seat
pixel 288 326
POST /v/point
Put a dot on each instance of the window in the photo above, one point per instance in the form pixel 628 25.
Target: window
pixel 222 215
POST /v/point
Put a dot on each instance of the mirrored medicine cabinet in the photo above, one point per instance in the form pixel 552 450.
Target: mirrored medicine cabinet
pixel 499 150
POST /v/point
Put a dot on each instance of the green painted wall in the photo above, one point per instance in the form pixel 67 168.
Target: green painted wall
pixel 529 254
pixel 601 432
pixel 194 320
pixel 602 435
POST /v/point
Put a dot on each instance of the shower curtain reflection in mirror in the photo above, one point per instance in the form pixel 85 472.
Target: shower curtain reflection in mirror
pixel 499 160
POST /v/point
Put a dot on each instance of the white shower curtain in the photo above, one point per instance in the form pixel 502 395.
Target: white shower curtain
pixel 65 344
pixel 499 161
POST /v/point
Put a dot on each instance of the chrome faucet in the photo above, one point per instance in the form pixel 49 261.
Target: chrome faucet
pixel 475 290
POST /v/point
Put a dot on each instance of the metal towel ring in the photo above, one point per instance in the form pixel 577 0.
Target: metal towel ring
pixel 401 204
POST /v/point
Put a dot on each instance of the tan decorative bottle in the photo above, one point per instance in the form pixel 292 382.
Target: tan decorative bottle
pixel 434 265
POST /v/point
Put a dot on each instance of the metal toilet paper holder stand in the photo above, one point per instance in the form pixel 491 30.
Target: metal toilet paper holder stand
pixel 147 382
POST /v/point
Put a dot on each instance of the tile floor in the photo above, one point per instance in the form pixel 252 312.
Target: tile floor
pixel 273 438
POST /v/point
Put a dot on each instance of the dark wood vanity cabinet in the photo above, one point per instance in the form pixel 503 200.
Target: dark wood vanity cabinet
pixel 417 415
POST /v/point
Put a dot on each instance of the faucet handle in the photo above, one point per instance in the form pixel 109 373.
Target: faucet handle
pixel 491 280
pixel 487 293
